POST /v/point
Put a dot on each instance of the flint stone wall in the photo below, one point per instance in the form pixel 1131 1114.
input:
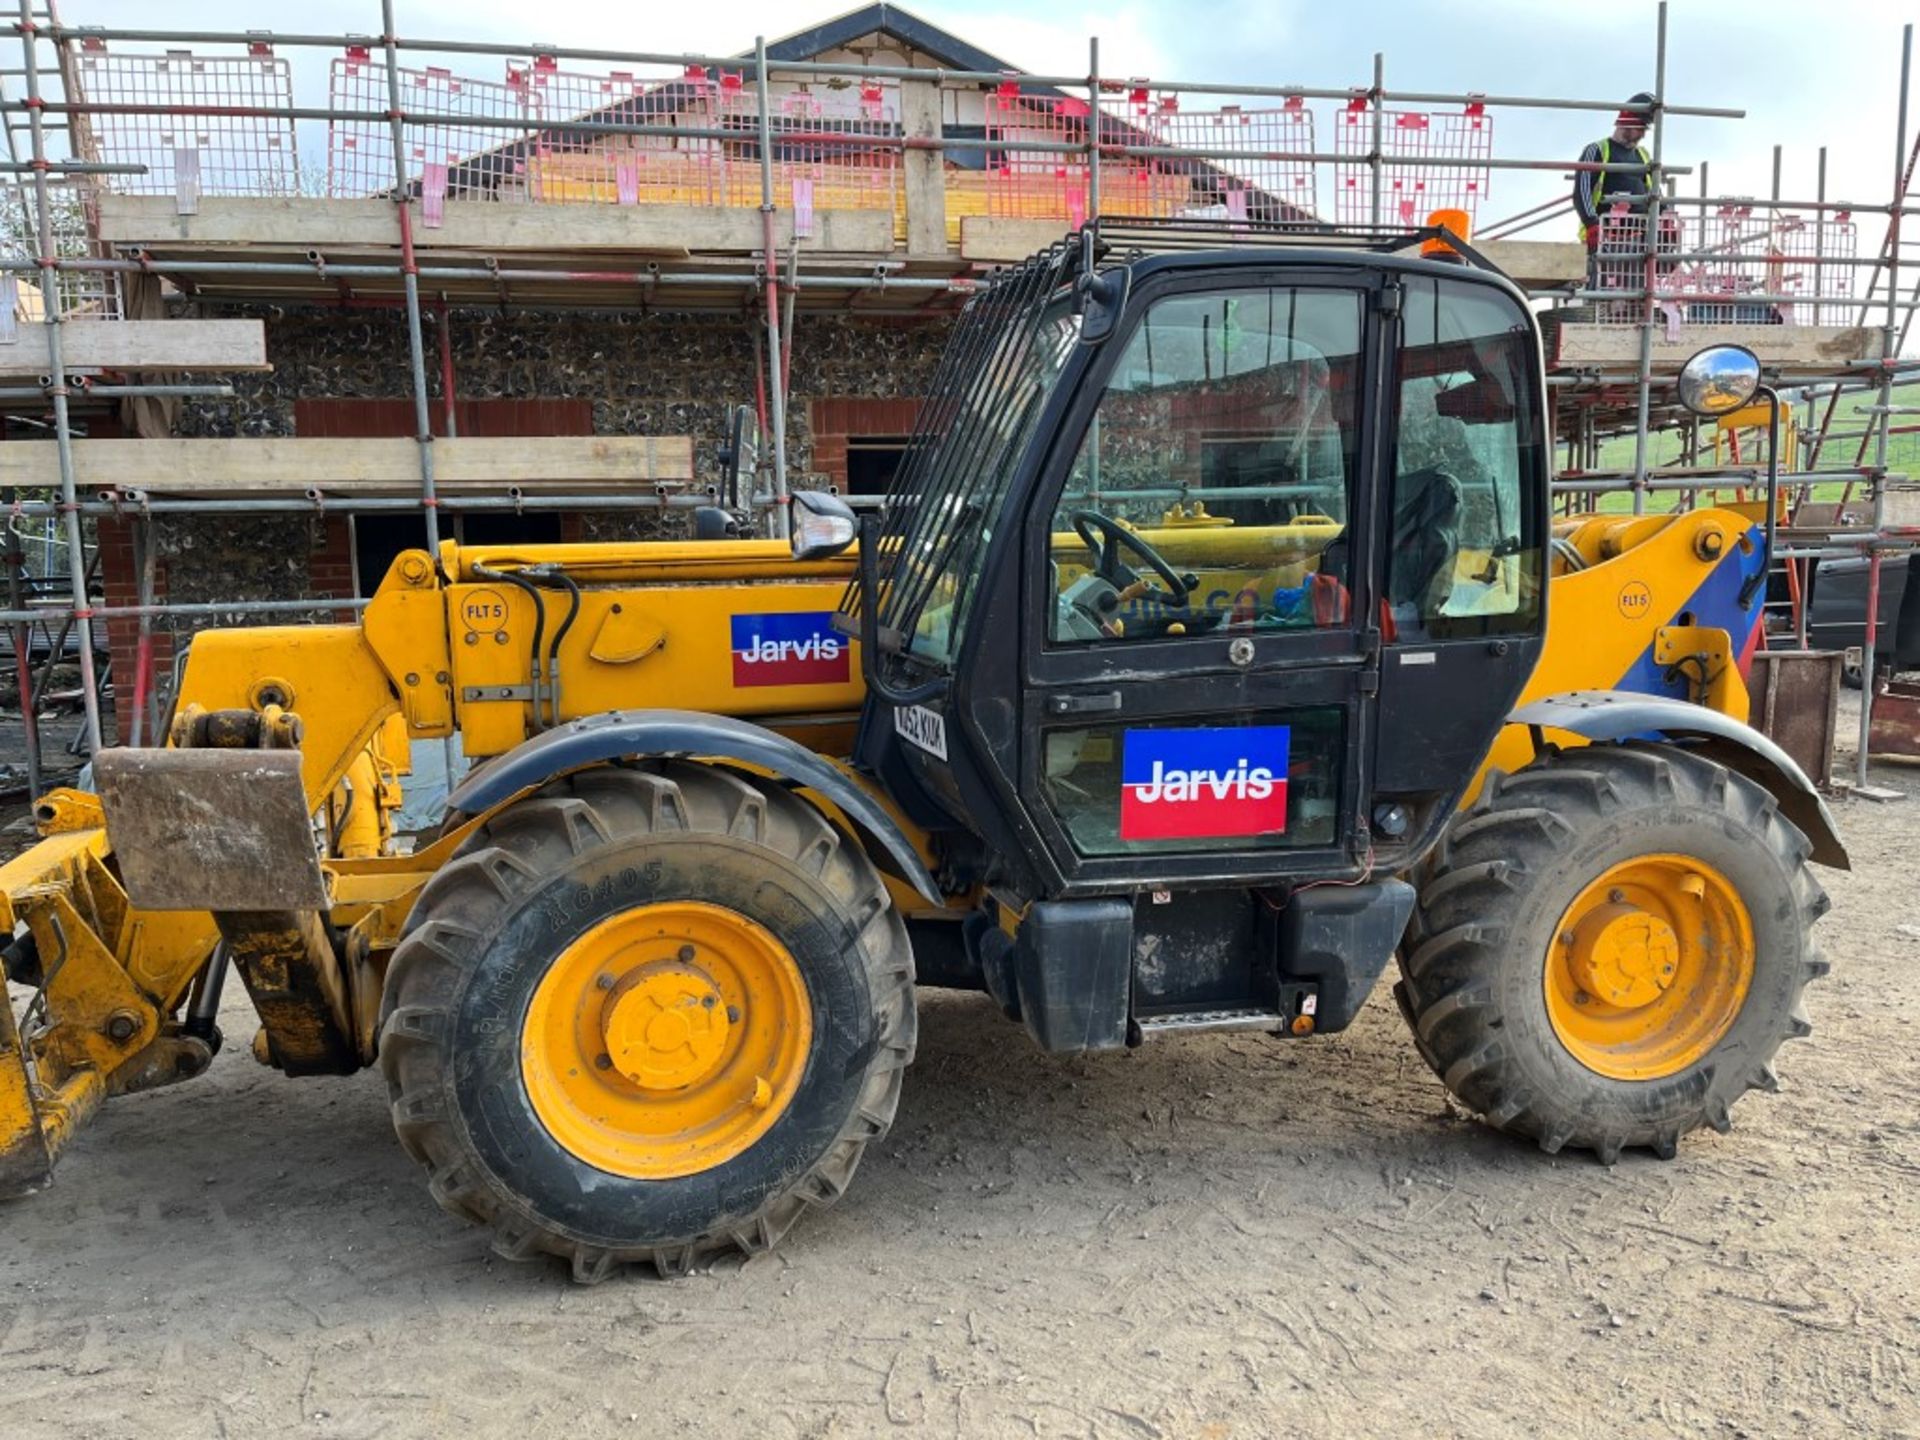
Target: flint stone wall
pixel 644 374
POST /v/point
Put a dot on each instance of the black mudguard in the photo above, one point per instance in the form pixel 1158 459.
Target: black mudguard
pixel 662 734
pixel 1599 716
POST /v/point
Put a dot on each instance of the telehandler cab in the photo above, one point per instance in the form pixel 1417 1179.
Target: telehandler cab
pixel 1200 662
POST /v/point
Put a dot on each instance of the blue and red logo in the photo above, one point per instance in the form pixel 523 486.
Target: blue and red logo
pixel 800 647
pixel 1204 784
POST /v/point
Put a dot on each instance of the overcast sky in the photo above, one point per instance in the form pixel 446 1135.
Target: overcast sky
pixel 1806 74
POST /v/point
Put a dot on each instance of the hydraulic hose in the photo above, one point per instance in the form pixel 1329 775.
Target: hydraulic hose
pixel 535 655
pixel 542 575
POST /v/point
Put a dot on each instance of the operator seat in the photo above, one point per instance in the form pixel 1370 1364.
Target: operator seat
pixel 1426 539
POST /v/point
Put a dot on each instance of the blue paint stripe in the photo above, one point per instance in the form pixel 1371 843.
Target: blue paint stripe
pixel 1715 602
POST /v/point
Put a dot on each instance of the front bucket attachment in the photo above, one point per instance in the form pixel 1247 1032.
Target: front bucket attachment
pixel 204 829
pixel 26 1161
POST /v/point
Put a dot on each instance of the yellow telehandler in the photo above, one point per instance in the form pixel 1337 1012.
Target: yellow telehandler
pixel 1215 645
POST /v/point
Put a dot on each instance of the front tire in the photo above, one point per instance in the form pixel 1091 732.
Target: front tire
pixel 647 1014
pixel 1610 946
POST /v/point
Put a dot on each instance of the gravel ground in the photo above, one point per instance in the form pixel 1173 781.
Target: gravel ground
pixel 1211 1237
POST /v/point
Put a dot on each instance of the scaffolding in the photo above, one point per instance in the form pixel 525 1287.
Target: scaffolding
pixel 191 125
pixel 1426 162
pixel 214 114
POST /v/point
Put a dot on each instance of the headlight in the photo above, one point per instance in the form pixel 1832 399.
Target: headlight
pixel 820 524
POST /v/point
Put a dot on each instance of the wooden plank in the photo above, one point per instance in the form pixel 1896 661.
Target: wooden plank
pixel 301 224
pixel 1538 264
pixel 553 463
pixel 90 346
pixel 923 171
pixel 1535 264
pixel 1794 347
pixel 996 239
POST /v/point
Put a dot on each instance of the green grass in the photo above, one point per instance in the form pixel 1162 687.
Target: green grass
pixel 1664 448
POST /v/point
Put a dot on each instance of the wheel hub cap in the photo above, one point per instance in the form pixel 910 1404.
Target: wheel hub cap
pixel 667 1029
pixel 666 1039
pixel 1649 967
pixel 1625 955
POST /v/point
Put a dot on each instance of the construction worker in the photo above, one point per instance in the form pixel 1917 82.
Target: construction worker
pixel 1597 191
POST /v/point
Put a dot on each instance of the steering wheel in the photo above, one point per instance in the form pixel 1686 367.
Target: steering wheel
pixel 1108 566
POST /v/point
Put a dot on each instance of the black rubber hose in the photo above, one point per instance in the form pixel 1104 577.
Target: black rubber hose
pixel 340 825
pixel 560 632
pixel 513 577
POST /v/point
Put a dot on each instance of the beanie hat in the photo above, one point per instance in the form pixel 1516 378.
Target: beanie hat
pixel 1636 117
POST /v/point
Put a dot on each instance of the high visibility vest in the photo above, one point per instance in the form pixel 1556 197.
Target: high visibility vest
pixel 1601 177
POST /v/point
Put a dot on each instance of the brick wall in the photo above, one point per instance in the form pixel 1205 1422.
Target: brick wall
pixel 835 420
pixel 120 585
pixel 330 561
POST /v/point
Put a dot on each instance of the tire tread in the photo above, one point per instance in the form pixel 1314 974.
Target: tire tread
pixel 512 853
pixel 1464 924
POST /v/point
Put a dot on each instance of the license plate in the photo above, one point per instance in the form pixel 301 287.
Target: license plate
pixel 921 728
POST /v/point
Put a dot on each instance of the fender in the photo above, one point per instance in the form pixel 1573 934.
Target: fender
pixel 638 734
pixel 1602 715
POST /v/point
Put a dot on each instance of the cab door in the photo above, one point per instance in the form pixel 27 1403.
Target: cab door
pixel 1200 584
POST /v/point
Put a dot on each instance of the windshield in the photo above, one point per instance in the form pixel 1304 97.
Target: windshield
pixel 1212 485
pixel 953 521
pixel 1000 365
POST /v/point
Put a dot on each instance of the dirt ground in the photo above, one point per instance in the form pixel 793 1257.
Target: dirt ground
pixel 1213 1236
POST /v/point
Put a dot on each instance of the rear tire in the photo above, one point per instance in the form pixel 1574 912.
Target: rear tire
pixel 1492 913
pixel 604 848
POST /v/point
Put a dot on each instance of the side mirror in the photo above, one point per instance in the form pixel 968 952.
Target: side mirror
pixel 1719 379
pixel 710 522
pixel 821 524
pixel 1103 297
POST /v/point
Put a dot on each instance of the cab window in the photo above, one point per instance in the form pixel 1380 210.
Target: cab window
pixel 1212 488
pixel 1467 481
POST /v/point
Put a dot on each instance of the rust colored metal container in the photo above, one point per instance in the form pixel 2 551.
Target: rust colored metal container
pixel 1796 703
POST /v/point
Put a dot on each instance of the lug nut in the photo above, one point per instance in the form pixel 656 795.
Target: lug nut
pixel 603 982
pixel 1580 997
pixel 733 1014
pixel 686 954
pixel 603 1062
pixel 1617 896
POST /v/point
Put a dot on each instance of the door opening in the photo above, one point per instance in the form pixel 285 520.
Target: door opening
pixel 872 461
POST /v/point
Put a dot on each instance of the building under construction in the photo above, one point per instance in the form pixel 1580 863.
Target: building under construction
pixel 256 346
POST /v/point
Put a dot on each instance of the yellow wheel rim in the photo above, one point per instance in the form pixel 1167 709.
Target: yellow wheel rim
pixel 666 1040
pixel 1649 967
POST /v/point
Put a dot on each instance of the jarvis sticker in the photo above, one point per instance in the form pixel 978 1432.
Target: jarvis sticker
pixel 797 648
pixel 1204 784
